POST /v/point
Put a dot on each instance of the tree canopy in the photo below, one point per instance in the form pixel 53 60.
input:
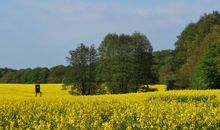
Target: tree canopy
pixel 207 72
pixel 125 62
pixel 82 74
pixel 193 42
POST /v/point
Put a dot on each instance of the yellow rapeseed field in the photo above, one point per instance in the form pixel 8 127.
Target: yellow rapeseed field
pixel 28 90
pixel 158 87
pixel 56 109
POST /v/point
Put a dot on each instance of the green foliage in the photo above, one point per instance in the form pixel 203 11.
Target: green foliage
pixel 37 75
pixel 82 74
pixel 57 74
pixel 207 72
pixel 8 77
pixel 163 65
pixel 3 71
pixel 193 42
pixel 125 62
pixel 103 89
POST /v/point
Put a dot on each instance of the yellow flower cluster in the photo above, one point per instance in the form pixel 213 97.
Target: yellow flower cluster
pixel 154 110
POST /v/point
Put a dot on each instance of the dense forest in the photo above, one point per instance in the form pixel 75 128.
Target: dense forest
pixel 123 63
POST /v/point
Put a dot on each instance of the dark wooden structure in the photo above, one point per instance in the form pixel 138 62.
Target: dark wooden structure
pixel 37 89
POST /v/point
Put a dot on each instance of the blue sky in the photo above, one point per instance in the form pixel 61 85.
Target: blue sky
pixel 41 32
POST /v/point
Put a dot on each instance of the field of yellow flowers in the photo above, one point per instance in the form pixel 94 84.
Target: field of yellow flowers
pixel 188 109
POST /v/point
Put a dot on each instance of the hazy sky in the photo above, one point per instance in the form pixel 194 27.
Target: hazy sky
pixel 41 32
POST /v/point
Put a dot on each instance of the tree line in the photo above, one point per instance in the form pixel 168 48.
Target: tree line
pixel 121 64
pixel 124 63
pixel 190 65
pixel 55 74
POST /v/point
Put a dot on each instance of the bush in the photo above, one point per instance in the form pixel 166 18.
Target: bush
pixel 146 88
pixel 171 84
pixel 103 89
